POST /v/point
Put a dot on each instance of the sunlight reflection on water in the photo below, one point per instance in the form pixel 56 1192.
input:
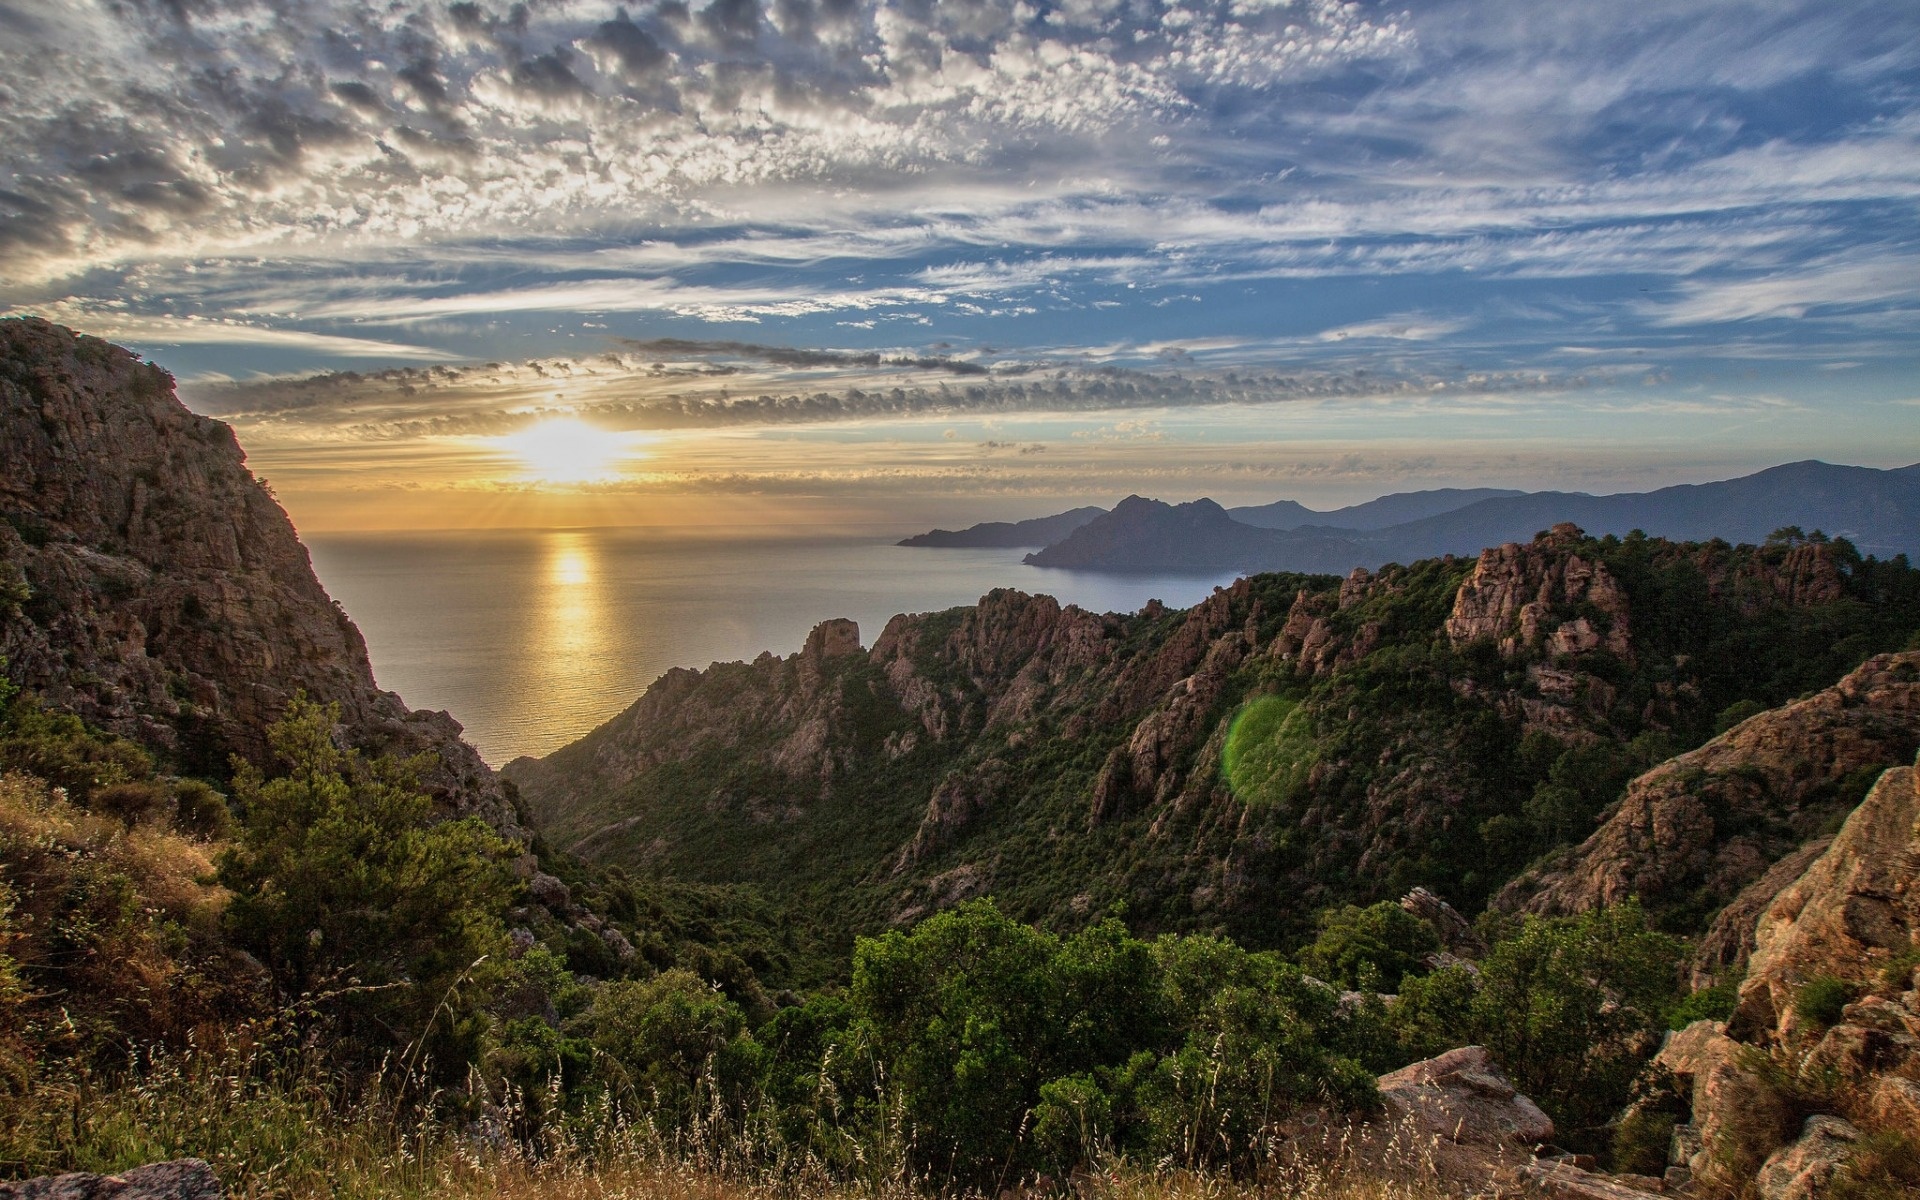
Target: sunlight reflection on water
pixel 531 638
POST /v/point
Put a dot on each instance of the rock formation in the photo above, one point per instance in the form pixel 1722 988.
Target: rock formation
pixel 1521 599
pixel 1828 1017
pixel 183 1179
pixel 1394 700
pixel 149 583
pixel 1855 910
pixel 1703 826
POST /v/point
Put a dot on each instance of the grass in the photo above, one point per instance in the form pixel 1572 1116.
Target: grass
pixel 276 1125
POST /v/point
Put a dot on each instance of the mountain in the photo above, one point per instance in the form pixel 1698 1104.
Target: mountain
pixel 152 586
pixel 1291 742
pixel 1199 536
pixel 1040 531
pixel 1396 509
pixel 1878 511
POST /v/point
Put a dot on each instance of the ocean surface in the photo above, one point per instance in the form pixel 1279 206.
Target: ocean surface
pixel 532 638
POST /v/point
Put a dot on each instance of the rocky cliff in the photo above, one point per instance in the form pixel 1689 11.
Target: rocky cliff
pixel 151 584
pixel 1700 829
pixel 1816 1079
pixel 1290 742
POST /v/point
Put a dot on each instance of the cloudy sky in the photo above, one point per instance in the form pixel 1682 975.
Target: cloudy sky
pixel 836 261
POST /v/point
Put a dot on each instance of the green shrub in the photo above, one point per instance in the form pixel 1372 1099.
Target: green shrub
pixel 1822 1000
pixel 349 890
pixel 1641 1141
pixel 1714 1003
pixel 1372 949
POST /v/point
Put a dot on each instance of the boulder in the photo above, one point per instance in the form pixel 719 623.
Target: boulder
pixel 1803 1170
pixel 1563 1181
pixel 1453 930
pixel 1463 1097
pixel 1895 1105
pixel 182 1179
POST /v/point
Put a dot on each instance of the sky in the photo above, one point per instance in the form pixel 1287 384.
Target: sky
pixel 824 263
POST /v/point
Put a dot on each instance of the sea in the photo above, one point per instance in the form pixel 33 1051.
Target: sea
pixel 532 638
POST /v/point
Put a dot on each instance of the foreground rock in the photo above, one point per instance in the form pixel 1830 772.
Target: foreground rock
pixel 1854 910
pixel 149 583
pixel 1461 1104
pixel 1828 1018
pixel 183 1179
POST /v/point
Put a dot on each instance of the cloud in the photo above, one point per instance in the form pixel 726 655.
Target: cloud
pixel 150 332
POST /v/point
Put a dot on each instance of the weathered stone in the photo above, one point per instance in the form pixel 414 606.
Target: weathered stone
pixel 183 1179
pixel 1895 1105
pixel 1565 1181
pixel 1515 592
pixel 1691 1052
pixel 1803 1170
pixel 1452 928
pixel 1740 1120
pixel 1772 775
pixel 171 600
pixel 1463 1097
pixel 1855 907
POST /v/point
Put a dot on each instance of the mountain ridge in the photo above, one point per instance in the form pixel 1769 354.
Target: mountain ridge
pixel 150 584
pixel 1292 741
pixel 1877 510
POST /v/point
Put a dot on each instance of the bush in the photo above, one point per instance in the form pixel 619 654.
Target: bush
pixel 673 1044
pixel 1371 949
pixel 349 891
pixel 1822 1000
pixel 1714 1003
pixel 1641 1141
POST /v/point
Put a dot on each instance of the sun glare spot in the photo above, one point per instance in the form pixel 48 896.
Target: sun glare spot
pixel 565 450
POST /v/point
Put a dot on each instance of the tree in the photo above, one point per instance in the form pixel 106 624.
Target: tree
pixel 1571 1006
pixel 352 894
pixel 1371 949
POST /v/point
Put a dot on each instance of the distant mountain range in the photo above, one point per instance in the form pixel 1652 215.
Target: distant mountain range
pixel 1878 511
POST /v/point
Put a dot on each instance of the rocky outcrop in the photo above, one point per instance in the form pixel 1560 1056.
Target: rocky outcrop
pixel 183 1179
pixel 1855 909
pixel 1722 953
pixel 1556 602
pixel 149 583
pixel 1847 927
pixel 1372 751
pixel 1805 1169
pixel 1462 1105
pixel 1711 822
pixel 1456 935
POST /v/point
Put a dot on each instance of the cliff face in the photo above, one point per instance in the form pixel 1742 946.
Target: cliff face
pixel 1848 923
pixel 149 583
pixel 1698 829
pixel 1290 742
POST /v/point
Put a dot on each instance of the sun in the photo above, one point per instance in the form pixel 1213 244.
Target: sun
pixel 564 450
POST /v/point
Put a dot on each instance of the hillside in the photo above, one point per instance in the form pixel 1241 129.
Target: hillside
pixel 1292 742
pixel 151 585
pixel 1380 513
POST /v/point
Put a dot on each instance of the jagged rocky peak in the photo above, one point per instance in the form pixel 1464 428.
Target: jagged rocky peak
pixel 1526 597
pixel 149 583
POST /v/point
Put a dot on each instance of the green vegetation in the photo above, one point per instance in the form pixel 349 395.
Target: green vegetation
pixel 1822 999
pixel 1404 760
pixel 763 984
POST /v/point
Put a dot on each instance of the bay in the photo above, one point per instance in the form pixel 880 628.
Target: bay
pixel 532 638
